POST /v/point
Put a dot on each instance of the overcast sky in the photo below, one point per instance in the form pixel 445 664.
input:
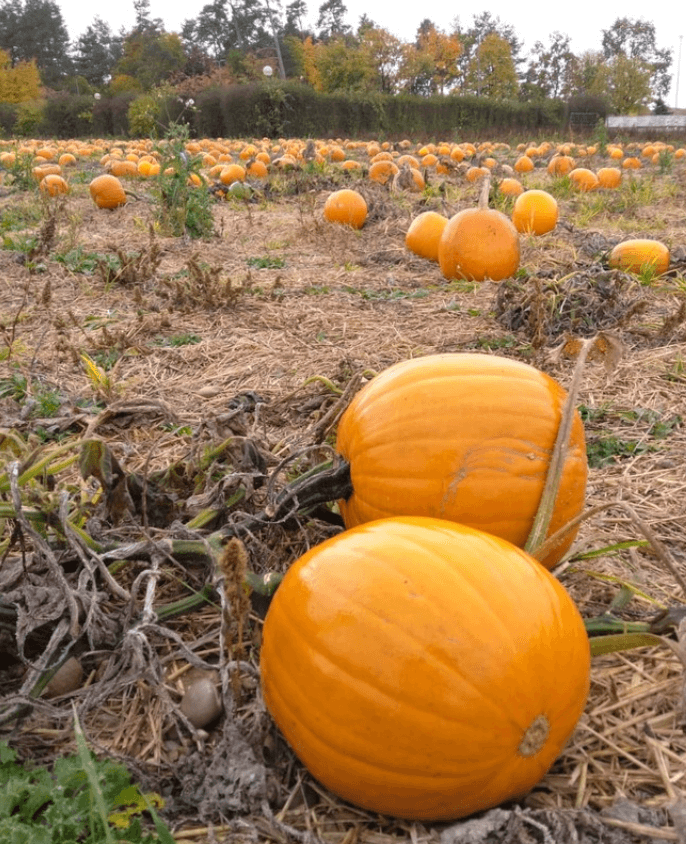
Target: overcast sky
pixel 583 21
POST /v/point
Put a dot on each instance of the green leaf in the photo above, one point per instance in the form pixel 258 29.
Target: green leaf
pixel 623 642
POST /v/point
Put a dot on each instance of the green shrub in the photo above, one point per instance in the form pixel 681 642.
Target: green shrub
pixel 29 117
pixel 143 116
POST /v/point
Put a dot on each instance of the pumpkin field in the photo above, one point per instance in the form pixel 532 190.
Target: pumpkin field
pixel 222 364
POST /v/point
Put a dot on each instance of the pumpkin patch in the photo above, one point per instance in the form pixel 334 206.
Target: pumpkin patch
pixel 180 375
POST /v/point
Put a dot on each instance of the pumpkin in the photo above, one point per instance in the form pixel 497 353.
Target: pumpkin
pixel 609 177
pixel 560 165
pixel 382 171
pixel 346 206
pixel 479 243
pixel 422 669
pixel 424 234
pixel 257 169
pixel 511 187
pixel 640 255
pixel 524 164
pixel 107 191
pixel 473 174
pixel 584 179
pixel 53 185
pixel 122 168
pixel 463 437
pixel 535 212
pixel 232 173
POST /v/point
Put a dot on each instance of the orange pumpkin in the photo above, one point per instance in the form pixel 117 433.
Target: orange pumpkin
pixel 479 243
pixel 423 669
pixel 524 164
pixel 346 206
pixel 511 187
pixel 535 212
pixel 232 173
pixel 424 234
pixel 641 255
pixel 382 170
pixel 609 177
pixel 53 185
pixel 584 179
pixel 122 168
pixel 560 165
pixel 107 191
pixel 464 437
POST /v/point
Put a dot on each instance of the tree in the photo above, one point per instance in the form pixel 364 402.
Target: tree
pixel 20 83
pixel 589 74
pixel 330 21
pixel 549 71
pixel 429 65
pixel 444 51
pixel 96 53
pixel 493 69
pixel 415 71
pixel 226 25
pixel 34 29
pixel 341 67
pixel 629 84
pixel 483 25
pixel 384 55
pixel 295 13
pixel 150 57
pixel 636 40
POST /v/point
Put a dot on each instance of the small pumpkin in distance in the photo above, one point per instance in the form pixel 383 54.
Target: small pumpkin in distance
pixel 524 164
pixel 463 437
pixel 107 191
pixel 609 177
pixel 535 212
pixel 53 185
pixel 560 165
pixel 423 669
pixel 584 179
pixel 479 243
pixel 424 234
pixel 510 187
pixel 346 206
pixel 640 255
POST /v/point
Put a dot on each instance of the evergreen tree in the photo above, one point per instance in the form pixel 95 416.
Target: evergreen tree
pixel 96 52
pixel 35 30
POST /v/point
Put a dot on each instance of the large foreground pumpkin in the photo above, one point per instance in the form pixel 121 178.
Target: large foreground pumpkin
pixel 464 437
pixel 423 669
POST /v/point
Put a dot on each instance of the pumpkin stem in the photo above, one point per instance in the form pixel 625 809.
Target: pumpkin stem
pixel 544 514
pixel 310 490
pixel 484 193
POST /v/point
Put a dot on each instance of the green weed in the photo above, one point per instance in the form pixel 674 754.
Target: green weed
pixel 81 799
pixel 183 208
pixel 266 262
pixel 179 340
pixel 80 260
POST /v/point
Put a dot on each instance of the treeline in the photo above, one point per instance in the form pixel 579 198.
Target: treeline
pixel 231 42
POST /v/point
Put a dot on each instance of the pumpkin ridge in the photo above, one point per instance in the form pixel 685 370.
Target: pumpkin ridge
pixel 344 667
pixel 462 581
pixel 344 751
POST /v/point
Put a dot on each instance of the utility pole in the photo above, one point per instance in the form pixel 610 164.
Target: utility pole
pixel 678 73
